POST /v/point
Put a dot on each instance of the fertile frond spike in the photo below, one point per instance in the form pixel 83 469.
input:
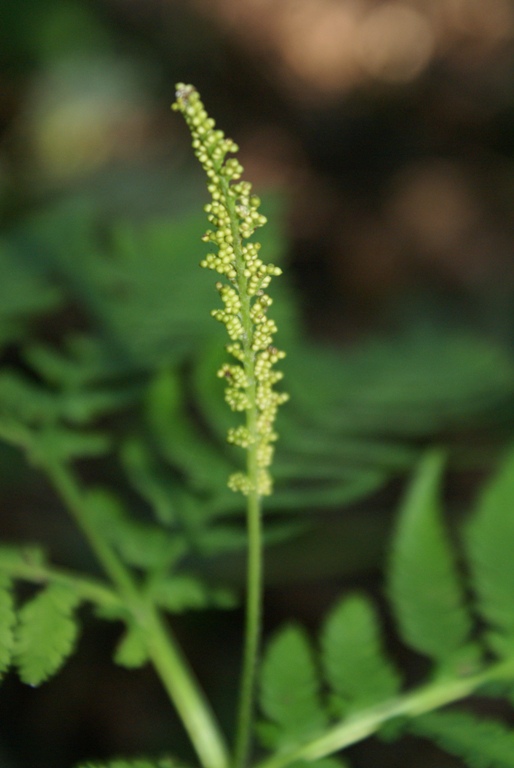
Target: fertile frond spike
pixel 46 633
pixel 233 212
pixel 423 582
pixel 480 743
pixel 355 664
pixel 490 547
pixel 289 692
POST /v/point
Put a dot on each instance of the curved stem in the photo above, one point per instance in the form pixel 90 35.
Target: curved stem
pixel 425 699
pixel 87 589
pixel 70 492
pixel 179 682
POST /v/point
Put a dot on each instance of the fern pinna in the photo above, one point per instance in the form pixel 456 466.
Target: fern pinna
pixel 452 602
pixel 318 699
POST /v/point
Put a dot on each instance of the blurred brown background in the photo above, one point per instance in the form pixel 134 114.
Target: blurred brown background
pixel 388 125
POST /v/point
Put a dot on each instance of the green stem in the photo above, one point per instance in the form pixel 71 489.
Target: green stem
pixel 174 672
pixel 361 726
pixel 252 632
pixel 70 492
pixel 87 589
pixel 254 578
pixel 168 661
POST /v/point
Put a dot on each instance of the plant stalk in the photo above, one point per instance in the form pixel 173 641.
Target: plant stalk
pixel 178 680
pixel 87 589
pixel 254 578
pixel 252 632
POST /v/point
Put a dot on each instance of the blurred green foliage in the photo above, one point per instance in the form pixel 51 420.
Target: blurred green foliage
pixel 107 347
pixel 103 321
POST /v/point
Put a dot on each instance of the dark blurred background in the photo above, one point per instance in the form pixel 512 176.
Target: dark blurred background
pixel 385 130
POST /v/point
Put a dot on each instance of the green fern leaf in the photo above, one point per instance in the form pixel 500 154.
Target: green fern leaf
pixel 354 662
pixel 424 586
pixel 480 743
pixel 25 401
pixel 142 545
pixel 60 444
pixel 183 592
pixel 147 546
pixel 85 390
pixel 490 544
pixel 24 292
pixel 289 690
pixel 7 623
pixel 147 480
pixel 131 651
pixel 181 444
pixel 14 560
pixel 46 633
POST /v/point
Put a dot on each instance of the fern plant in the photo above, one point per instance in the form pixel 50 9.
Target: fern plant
pixel 451 595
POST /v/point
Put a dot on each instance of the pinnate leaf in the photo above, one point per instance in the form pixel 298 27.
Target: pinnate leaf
pixel 423 583
pixel 490 546
pixel 480 743
pixel 46 633
pixel 140 544
pixel 289 693
pixel 183 592
pixel 144 475
pixel 180 444
pixel 355 665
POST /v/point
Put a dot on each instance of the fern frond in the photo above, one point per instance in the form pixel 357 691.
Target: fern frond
pixel 183 446
pixel 142 545
pixel 480 743
pixel 423 583
pixel 144 475
pixel 84 391
pixel 290 689
pixel 183 592
pixel 146 546
pixel 13 557
pixel 24 293
pixel 60 444
pixel 46 633
pixel 490 546
pixel 7 623
pixel 40 413
pixel 355 664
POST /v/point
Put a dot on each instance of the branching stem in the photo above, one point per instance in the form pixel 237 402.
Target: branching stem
pixel 164 652
pixel 87 589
